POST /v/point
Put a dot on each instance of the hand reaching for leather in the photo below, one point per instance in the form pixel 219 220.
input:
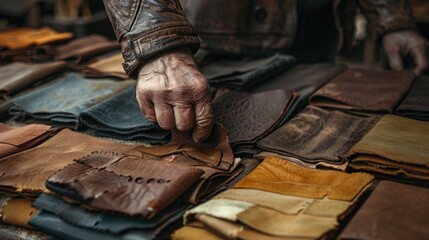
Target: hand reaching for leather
pixel 172 92
pixel 399 44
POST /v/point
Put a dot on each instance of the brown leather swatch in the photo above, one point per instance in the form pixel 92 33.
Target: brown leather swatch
pixel 109 66
pixel 27 171
pixel 395 146
pixel 85 47
pixel 416 103
pixel 363 90
pixel 278 176
pixel 17 38
pixel 249 117
pixel 17 139
pixel 392 211
pixel 18 76
pixel 316 135
pixel 126 184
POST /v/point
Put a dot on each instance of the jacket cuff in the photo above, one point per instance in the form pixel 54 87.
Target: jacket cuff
pixel 137 51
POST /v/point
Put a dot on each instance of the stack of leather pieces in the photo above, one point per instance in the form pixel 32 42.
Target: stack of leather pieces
pixel 416 103
pixel 364 91
pixel 25 173
pixel 396 146
pixel 241 74
pixel 120 117
pixel 145 189
pixel 392 211
pixel 278 200
pixel 249 117
pixel 61 101
pixel 317 138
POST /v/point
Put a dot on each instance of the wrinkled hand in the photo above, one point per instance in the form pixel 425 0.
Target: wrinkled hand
pixel 172 92
pixel 399 44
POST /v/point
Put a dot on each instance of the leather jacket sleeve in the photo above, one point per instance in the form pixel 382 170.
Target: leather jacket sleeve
pixel 388 15
pixel 146 28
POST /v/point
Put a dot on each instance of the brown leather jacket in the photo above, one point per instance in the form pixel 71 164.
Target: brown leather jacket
pixel 146 28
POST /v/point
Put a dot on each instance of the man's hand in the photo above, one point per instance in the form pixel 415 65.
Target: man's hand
pixel 400 44
pixel 172 92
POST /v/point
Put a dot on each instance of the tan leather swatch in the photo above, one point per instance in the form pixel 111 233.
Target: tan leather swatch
pixel 277 224
pixel 109 66
pixel 194 233
pixel 17 38
pixel 327 208
pixel 279 176
pixel 18 212
pixel 396 145
pixel 282 203
pixel 28 170
pixel 220 208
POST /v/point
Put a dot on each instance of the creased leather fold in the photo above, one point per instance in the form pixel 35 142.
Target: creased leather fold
pixel 395 146
pixel 17 139
pixel 317 136
pixel 366 91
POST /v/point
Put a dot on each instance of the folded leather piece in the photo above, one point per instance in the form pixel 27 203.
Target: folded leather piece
pixel 278 176
pixel 264 112
pixel 17 38
pixel 277 224
pixel 304 79
pixel 242 74
pixel 214 156
pixel 104 67
pixel 26 172
pixel 62 101
pixel 363 90
pixel 85 47
pixel 126 184
pixel 17 211
pixel 17 139
pixel 120 117
pixel 10 232
pixel 17 76
pixel 395 146
pixel 103 221
pixel 316 135
pixel 389 206
pixel 416 103
pixel 220 208
pixel 282 203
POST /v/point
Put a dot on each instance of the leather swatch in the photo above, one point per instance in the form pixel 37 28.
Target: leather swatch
pixel 103 221
pixel 316 135
pixel 389 206
pixel 26 172
pixel 278 176
pixel 17 76
pixel 108 66
pixel 120 117
pixel 85 47
pixel 304 79
pixel 220 208
pixel 62 101
pixel 126 184
pixel 214 156
pixel 10 232
pixel 416 103
pixel 362 90
pixel 242 74
pixel 17 38
pixel 18 212
pixel 263 112
pixel 395 146
pixel 17 139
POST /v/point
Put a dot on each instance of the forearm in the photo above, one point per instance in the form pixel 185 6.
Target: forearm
pixel 146 28
pixel 387 15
